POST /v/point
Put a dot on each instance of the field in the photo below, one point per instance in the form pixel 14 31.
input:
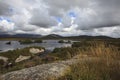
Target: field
pixel 105 66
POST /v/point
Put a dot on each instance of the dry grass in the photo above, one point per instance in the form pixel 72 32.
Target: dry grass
pixel 106 68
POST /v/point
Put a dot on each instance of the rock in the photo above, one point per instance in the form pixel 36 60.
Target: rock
pixel 41 72
pixel 8 43
pixel 22 58
pixel 8 65
pixel 51 71
pixel 36 51
pixel 5 59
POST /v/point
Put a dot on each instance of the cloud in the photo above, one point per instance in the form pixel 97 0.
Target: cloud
pixel 5 9
pixel 73 17
pixel 6 25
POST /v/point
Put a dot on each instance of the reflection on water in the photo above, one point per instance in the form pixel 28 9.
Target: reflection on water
pixel 48 44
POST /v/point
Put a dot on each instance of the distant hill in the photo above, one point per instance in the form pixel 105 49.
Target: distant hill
pixel 89 37
pixel 52 36
pixel 20 36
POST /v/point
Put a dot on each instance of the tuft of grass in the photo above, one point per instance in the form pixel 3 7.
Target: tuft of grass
pixel 94 70
pixel 105 67
pixel 13 55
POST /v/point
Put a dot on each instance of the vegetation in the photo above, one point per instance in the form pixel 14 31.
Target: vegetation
pixel 64 41
pixel 1 62
pixel 105 66
pixel 38 41
pixel 27 41
pixel 95 70
pixel 61 41
pixel 13 55
pixel 65 53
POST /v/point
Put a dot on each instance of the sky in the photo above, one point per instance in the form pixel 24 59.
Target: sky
pixel 63 17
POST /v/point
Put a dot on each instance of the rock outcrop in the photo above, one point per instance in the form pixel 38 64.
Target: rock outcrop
pixel 49 71
pixel 22 58
pixel 41 72
pixel 36 51
pixel 5 59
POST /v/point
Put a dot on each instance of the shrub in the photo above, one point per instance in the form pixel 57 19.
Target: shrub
pixel 61 41
pixel 1 62
pixel 28 41
pixel 64 41
pixel 38 41
pixel 65 53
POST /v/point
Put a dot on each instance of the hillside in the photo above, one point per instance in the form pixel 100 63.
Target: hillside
pixel 20 36
pixel 52 36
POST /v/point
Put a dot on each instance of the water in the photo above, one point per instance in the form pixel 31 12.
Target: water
pixel 48 44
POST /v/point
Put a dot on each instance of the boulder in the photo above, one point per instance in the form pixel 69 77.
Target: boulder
pixel 36 50
pixel 41 72
pixel 5 59
pixel 8 43
pixel 22 58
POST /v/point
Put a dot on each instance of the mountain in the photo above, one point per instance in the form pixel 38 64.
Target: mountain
pixel 89 37
pixel 52 36
pixel 20 36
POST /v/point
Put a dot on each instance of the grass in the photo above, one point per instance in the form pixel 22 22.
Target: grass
pixel 64 41
pixel 30 41
pixel 13 55
pixel 65 53
pixel 27 41
pixel 38 41
pixel 94 70
pixel 107 68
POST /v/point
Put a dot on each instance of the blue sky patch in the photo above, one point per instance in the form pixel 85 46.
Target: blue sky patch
pixel 72 14
pixel 5 18
pixel 59 19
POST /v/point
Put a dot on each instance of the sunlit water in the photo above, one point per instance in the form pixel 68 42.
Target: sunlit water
pixel 48 44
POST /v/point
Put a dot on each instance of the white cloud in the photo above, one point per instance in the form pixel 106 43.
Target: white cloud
pixel 6 26
pixel 92 17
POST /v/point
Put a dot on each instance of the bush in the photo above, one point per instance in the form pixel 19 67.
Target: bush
pixel 65 53
pixel 61 41
pixel 12 55
pixel 81 44
pixel 1 62
pixel 38 41
pixel 64 41
pixel 28 41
